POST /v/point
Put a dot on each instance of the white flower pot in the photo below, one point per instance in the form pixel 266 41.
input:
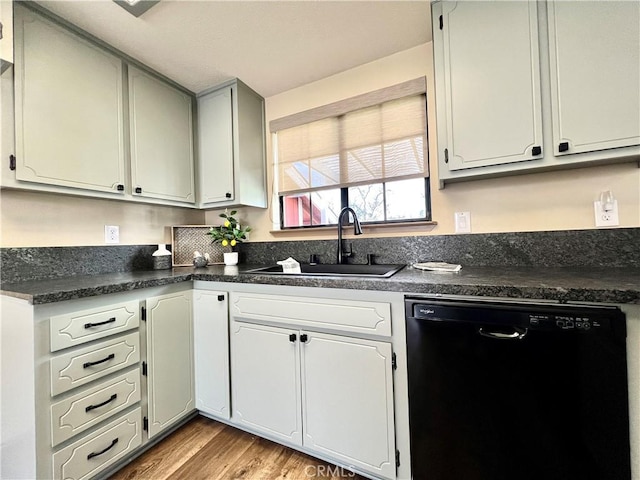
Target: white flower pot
pixel 231 258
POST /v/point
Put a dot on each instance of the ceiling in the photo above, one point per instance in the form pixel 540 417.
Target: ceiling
pixel 272 46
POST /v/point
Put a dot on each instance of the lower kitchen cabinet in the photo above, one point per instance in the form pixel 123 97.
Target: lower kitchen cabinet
pixel 74 395
pixel 211 352
pixel 89 383
pixel 265 372
pixel 170 381
pixel 310 389
pixel 104 447
pixel 347 394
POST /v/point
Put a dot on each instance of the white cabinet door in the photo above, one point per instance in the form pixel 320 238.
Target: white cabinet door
pixel 348 401
pixel 595 74
pixel 211 345
pixel 488 83
pixel 215 147
pixel 265 376
pixel 169 360
pixel 69 120
pixel 231 147
pixel 161 131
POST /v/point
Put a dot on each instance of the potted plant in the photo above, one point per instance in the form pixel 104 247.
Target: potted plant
pixel 229 234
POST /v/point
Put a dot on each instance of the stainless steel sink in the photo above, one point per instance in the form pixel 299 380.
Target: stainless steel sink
pixel 335 270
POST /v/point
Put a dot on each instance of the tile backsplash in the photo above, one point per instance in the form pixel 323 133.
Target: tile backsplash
pixel 567 248
pixel 36 263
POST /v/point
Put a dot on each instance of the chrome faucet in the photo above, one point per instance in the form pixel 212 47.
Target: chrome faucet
pixel 357 230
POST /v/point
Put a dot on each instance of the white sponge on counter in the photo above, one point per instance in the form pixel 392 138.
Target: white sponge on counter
pixel 438 266
pixel 290 265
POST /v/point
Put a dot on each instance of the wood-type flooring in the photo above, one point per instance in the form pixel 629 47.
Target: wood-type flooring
pixel 204 449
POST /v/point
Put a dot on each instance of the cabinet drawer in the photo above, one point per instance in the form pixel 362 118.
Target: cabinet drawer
pixel 79 327
pixel 89 407
pixel 92 454
pixel 372 318
pixel 70 370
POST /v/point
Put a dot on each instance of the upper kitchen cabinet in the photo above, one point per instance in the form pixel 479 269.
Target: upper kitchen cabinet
pixel 594 50
pixel 523 86
pixel 161 135
pixel 6 39
pixel 231 147
pixel 488 79
pixel 88 122
pixel 69 118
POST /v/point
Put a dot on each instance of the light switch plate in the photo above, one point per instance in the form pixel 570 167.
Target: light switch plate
pixel 606 219
pixel 463 222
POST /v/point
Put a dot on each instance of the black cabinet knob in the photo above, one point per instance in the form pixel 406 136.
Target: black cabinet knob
pixel 120 188
pixel 304 338
pixel 537 150
pixel 563 147
pixel 292 337
pixel 138 189
pixel 220 298
pixel 228 194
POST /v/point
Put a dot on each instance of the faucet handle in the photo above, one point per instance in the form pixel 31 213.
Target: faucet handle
pixel 371 258
pixel 313 259
pixel 348 253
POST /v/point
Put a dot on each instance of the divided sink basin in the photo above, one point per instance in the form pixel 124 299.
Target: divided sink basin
pixel 335 270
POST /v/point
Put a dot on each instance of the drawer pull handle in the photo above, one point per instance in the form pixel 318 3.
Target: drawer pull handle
pixel 89 325
pixel 106 359
pixel 93 407
pixel 95 454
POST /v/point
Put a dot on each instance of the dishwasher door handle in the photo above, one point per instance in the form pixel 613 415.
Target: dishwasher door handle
pixel 517 334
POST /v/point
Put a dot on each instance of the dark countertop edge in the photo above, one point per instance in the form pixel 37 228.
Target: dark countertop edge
pixel 618 296
pixel 91 291
pixel 407 281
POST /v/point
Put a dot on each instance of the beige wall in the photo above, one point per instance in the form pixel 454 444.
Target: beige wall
pixel 560 200
pixel 32 219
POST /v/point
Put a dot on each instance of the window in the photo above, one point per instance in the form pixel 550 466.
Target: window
pixel 369 153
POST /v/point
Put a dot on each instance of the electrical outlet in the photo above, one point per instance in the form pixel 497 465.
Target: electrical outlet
pixel 606 218
pixel 463 222
pixel 111 234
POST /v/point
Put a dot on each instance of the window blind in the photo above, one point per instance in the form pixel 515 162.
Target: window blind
pixel 369 145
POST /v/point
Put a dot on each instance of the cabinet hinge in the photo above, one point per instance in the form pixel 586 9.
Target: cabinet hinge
pixel 446 155
pixel 12 162
pixel 397 458
pixel 394 361
pixel 144 368
pixel 145 424
pixel 441 22
pixel 143 314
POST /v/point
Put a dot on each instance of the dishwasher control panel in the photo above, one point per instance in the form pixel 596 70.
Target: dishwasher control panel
pixel 577 318
pixel 564 322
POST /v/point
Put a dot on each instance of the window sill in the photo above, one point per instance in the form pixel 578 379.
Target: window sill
pixel 403 228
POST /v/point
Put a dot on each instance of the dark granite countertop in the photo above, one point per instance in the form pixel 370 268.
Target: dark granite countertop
pixel 589 284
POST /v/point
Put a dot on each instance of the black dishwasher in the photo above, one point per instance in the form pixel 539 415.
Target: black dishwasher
pixel 502 390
